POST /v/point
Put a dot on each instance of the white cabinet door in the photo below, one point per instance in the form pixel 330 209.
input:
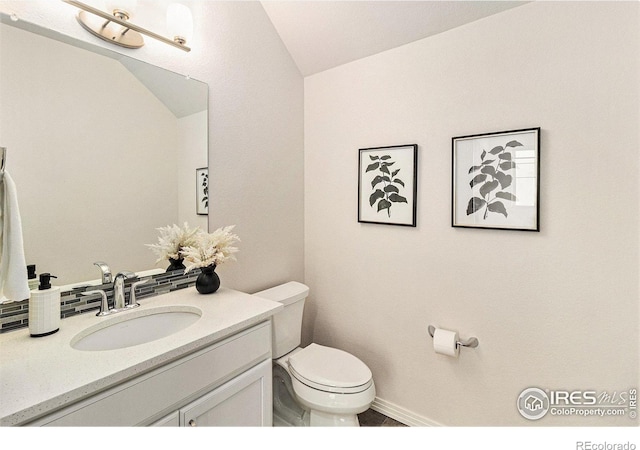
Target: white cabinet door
pixel 243 401
pixel 172 420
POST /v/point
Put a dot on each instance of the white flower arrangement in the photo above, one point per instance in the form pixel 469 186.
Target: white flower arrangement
pixel 210 249
pixel 172 240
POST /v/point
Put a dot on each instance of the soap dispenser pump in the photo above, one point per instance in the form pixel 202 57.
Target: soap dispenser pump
pixel 44 308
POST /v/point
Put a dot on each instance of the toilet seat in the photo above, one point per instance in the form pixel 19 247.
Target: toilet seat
pixel 330 370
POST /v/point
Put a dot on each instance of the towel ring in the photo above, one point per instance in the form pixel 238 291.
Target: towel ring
pixel 472 342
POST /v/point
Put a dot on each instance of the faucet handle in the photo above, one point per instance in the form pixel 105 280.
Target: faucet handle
pixel 106 272
pixel 104 304
pixel 132 298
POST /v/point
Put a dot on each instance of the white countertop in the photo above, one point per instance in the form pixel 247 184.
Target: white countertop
pixel 41 375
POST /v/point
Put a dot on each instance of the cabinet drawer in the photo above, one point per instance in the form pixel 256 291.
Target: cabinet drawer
pixel 142 400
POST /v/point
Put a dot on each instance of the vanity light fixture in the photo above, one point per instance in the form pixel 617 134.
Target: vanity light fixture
pixel 117 29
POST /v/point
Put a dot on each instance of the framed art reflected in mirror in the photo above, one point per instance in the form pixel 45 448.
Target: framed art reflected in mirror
pixel 202 191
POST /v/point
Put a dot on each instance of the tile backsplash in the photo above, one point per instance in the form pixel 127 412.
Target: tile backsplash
pixel 16 314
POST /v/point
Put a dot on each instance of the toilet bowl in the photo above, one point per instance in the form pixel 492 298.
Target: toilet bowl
pixel 315 385
pixel 333 385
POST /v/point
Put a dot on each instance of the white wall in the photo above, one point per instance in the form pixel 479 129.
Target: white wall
pixel 255 124
pixel 556 309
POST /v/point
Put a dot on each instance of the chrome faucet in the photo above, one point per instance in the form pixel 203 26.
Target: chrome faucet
pixel 118 289
pixel 118 294
pixel 106 272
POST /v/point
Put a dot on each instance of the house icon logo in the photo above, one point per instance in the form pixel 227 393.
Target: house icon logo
pixel 533 403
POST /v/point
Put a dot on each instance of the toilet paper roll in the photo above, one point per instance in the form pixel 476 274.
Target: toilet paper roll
pixel 445 342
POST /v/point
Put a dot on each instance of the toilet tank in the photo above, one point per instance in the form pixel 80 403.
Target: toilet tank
pixel 287 323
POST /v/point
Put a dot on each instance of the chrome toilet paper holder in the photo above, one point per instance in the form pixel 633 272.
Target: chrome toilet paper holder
pixel 472 342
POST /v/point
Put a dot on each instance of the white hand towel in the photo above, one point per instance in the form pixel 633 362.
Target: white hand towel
pixel 13 269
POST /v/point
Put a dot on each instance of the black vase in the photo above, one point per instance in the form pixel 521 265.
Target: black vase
pixel 175 264
pixel 208 281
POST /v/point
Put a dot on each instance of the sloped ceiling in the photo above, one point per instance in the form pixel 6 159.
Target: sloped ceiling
pixel 324 34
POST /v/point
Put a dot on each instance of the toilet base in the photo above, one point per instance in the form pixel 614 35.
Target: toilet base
pixel 282 422
pixel 317 419
pixel 322 419
pixel 288 412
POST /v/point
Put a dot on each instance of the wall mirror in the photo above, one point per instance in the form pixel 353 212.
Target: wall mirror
pixel 103 149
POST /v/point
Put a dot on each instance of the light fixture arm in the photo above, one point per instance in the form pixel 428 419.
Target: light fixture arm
pixel 126 24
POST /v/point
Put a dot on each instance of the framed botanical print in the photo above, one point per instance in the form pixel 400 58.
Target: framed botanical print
pixel 387 185
pixel 496 180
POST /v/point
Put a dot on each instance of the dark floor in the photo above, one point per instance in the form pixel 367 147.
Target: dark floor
pixel 371 418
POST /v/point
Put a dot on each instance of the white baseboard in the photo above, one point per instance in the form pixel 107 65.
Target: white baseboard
pixel 401 414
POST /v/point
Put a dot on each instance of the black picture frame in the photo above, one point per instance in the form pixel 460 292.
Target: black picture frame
pixel 388 185
pixel 202 191
pixel 495 180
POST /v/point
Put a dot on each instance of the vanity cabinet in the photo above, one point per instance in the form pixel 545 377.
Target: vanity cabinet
pixel 225 384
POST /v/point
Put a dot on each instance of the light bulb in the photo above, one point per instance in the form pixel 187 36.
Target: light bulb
pixel 179 22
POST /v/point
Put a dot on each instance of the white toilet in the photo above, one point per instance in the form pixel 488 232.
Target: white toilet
pixel 315 385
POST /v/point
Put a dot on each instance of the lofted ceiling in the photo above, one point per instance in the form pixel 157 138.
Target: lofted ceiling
pixel 321 35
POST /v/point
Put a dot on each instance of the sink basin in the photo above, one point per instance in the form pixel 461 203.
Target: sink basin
pixel 137 327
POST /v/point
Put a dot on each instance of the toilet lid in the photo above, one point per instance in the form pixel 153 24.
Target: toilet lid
pixel 330 369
